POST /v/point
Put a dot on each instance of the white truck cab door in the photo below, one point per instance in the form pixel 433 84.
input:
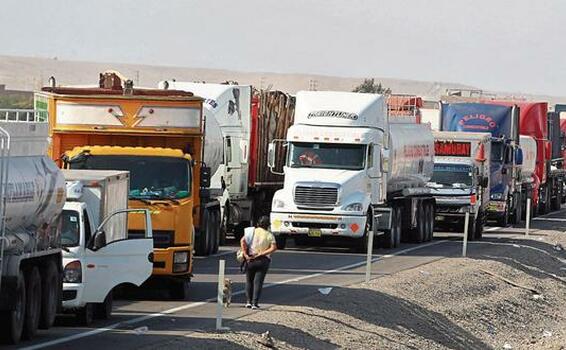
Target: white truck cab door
pixel 235 152
pixel 115 263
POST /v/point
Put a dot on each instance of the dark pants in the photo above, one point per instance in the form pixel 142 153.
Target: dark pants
pixel 255 275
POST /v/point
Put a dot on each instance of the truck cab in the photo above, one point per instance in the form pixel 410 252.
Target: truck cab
pixel 97 256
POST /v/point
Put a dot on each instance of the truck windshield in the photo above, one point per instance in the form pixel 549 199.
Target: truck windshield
pixel 70 228
pixel 327 155
pixel 451 175
pixel 150 177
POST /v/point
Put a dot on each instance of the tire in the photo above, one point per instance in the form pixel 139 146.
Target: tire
pixel 555 203
pixel 362 242
pixel 392 238
pixel 103 310
pixel 179 290
pixel 33 303
pixel 224 225
pixel 13 321
pixel 479 227
pixel 281 242
pixel 504 221
pixel 85 315
pixel 301 240
pixel 203 239
pixel 419 231
pixel 429 221
pixel 50 287
pixel 517 215
pixel 215 221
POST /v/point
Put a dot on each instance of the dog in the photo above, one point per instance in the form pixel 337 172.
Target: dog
pixel 227 292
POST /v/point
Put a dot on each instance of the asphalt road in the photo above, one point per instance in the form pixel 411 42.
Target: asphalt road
pixel 148 317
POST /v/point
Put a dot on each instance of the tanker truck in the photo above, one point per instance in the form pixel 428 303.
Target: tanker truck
pixel 32 189
pixel 460 182
pixel 350 170
pixel 240 124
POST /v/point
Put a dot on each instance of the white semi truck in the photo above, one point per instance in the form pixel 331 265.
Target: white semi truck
pixel 351 169
pixel 460 182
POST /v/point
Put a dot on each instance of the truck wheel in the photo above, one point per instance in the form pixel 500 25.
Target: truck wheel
pixel 50 287
pixel 13 321
pixel 224 225
pixel 203 240
pixel 281 241
pixel 179 290
pixel 479 226
pixel 33 303
pixel 103 310
pixel 85 315
pixel 362 242
pixel 504 220
pixel 429 221
pixel 392 238
pixel 419 231
pixel 517 214
pixel 555 203
pixel 214 226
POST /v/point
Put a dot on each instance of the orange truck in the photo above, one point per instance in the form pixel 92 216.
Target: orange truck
pixel 157 135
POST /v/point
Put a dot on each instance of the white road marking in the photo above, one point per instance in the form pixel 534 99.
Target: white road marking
pixel 491 229
pixel 550 219
pixel 200 303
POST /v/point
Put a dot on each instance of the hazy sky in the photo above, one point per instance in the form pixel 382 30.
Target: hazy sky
pixel 511 45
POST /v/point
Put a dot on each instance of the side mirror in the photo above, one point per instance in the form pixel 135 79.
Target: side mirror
pixel 519 156
pixel 384 161
pixel 98 241
pixel 204 177
pixel 271 155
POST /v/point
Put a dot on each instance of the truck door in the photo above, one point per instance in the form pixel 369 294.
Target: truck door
pixel 109 264
pixel 235 152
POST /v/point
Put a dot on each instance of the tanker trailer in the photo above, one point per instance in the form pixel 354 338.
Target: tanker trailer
pixel 350 170
pixel 32 189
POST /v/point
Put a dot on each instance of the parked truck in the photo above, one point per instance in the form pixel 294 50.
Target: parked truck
pixel 503 124
pixel 240 124
pixel 32 190
pixel 98 256
pixel 536 122
pixel 156 135
pixel 350 170
pixel 460 181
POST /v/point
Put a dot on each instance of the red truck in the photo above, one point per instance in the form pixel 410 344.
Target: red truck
pixel 535 121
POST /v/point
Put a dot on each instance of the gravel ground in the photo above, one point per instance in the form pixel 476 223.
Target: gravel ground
pixel 511 294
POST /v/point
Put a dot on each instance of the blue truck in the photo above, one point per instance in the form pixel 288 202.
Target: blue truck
pixel 505 180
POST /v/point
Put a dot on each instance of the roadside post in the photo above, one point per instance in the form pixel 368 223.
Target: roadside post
pixel 369 255
pixel 220 296
pixel 528 217
pixel 465 245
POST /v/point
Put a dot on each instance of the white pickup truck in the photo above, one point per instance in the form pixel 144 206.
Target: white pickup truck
pixel 98 256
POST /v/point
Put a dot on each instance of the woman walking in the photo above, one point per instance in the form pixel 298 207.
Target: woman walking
pixel 257 246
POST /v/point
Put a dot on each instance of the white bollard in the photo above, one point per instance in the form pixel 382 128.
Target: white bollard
pixel 528 217
pixel 220 296
pixel 369 256
pixel 465 245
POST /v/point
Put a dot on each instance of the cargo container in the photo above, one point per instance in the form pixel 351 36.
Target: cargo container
pixel 350 169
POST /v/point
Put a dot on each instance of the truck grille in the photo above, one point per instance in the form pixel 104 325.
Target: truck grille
pixel 161 238
pixel 316 196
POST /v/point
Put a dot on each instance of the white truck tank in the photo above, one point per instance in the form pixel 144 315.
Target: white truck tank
pixel 35 190
pixel 226 109
pixel 411 156
pixel 529 147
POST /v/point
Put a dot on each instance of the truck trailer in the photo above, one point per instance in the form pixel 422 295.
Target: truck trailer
pixel 351 169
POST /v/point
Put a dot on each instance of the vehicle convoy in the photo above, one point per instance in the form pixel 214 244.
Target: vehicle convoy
pixel 460 181
pixel 535 121
pixel 352 169
pixel 98 256
pixel 157 136
pixel 503 124
pixel 32 189
pixel 240 124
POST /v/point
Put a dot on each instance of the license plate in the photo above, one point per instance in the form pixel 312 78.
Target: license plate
pixel 315 232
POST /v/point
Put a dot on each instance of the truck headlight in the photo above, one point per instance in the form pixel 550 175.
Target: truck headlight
pixel 354 207
pixel 180 261
pixel 180 257
pixel 73 272
pixel 496 196
pixel 278 203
